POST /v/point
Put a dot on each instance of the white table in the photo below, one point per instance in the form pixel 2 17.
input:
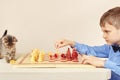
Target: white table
pixel 8 72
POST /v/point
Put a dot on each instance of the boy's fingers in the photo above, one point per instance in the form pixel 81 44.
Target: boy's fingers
pixel 84 56
pixel 86 61
pixel 82 60
pixel 57 44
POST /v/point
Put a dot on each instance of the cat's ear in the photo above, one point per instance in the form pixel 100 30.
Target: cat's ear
pixel 15 39
pixel 5 33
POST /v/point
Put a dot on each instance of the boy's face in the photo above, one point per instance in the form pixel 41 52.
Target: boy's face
pixel 111 34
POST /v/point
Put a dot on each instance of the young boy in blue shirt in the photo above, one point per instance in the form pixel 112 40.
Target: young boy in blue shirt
pixel 110 25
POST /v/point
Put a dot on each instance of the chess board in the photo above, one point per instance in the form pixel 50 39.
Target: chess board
pixel 24 61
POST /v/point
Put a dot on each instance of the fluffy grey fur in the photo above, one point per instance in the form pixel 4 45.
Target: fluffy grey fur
pixel 7 47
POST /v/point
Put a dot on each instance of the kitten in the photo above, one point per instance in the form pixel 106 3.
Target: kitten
pixel 7 46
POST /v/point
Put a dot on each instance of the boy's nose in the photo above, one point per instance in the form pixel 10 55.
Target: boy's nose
pixel 104 36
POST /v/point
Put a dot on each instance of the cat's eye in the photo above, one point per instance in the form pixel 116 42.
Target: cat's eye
pixel 5 40
pixel 14 39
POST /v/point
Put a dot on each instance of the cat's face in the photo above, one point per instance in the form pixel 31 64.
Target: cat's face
pixel 9 41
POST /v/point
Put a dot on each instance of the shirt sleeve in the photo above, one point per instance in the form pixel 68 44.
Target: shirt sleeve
pixel 98 51
pixel 115 67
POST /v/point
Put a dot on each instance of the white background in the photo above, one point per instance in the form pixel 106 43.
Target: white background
pixel 40 23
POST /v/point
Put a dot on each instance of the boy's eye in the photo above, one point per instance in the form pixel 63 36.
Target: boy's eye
pixel 106 31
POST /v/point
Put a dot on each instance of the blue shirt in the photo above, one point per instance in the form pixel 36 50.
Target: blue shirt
pixel 104 51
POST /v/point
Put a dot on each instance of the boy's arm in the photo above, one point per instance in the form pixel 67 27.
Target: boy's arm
pixel 114 66
pixel 98 51
pixel 92 60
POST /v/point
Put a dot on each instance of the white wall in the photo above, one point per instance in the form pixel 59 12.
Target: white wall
pixel 39 23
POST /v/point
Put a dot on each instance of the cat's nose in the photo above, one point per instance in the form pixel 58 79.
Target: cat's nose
pixel 9 47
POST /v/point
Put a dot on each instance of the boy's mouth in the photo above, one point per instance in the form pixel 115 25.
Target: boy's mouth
pixel 106 40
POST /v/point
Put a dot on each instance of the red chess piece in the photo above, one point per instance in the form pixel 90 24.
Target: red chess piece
pixel 74 55
pixel 56 56
pixel 63 57
pixel 68 55
pixel 51 58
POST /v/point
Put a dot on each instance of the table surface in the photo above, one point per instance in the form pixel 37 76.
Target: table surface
pixel 9 72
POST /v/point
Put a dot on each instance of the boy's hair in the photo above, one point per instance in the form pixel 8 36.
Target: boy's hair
pixel 111 17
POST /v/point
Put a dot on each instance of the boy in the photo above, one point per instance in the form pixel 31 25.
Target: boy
pixel 110 25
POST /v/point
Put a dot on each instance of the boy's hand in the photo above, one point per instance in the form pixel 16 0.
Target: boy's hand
pixel 95 61
pixel 63 43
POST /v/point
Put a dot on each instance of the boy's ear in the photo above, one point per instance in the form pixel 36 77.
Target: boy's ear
pixel 5 33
